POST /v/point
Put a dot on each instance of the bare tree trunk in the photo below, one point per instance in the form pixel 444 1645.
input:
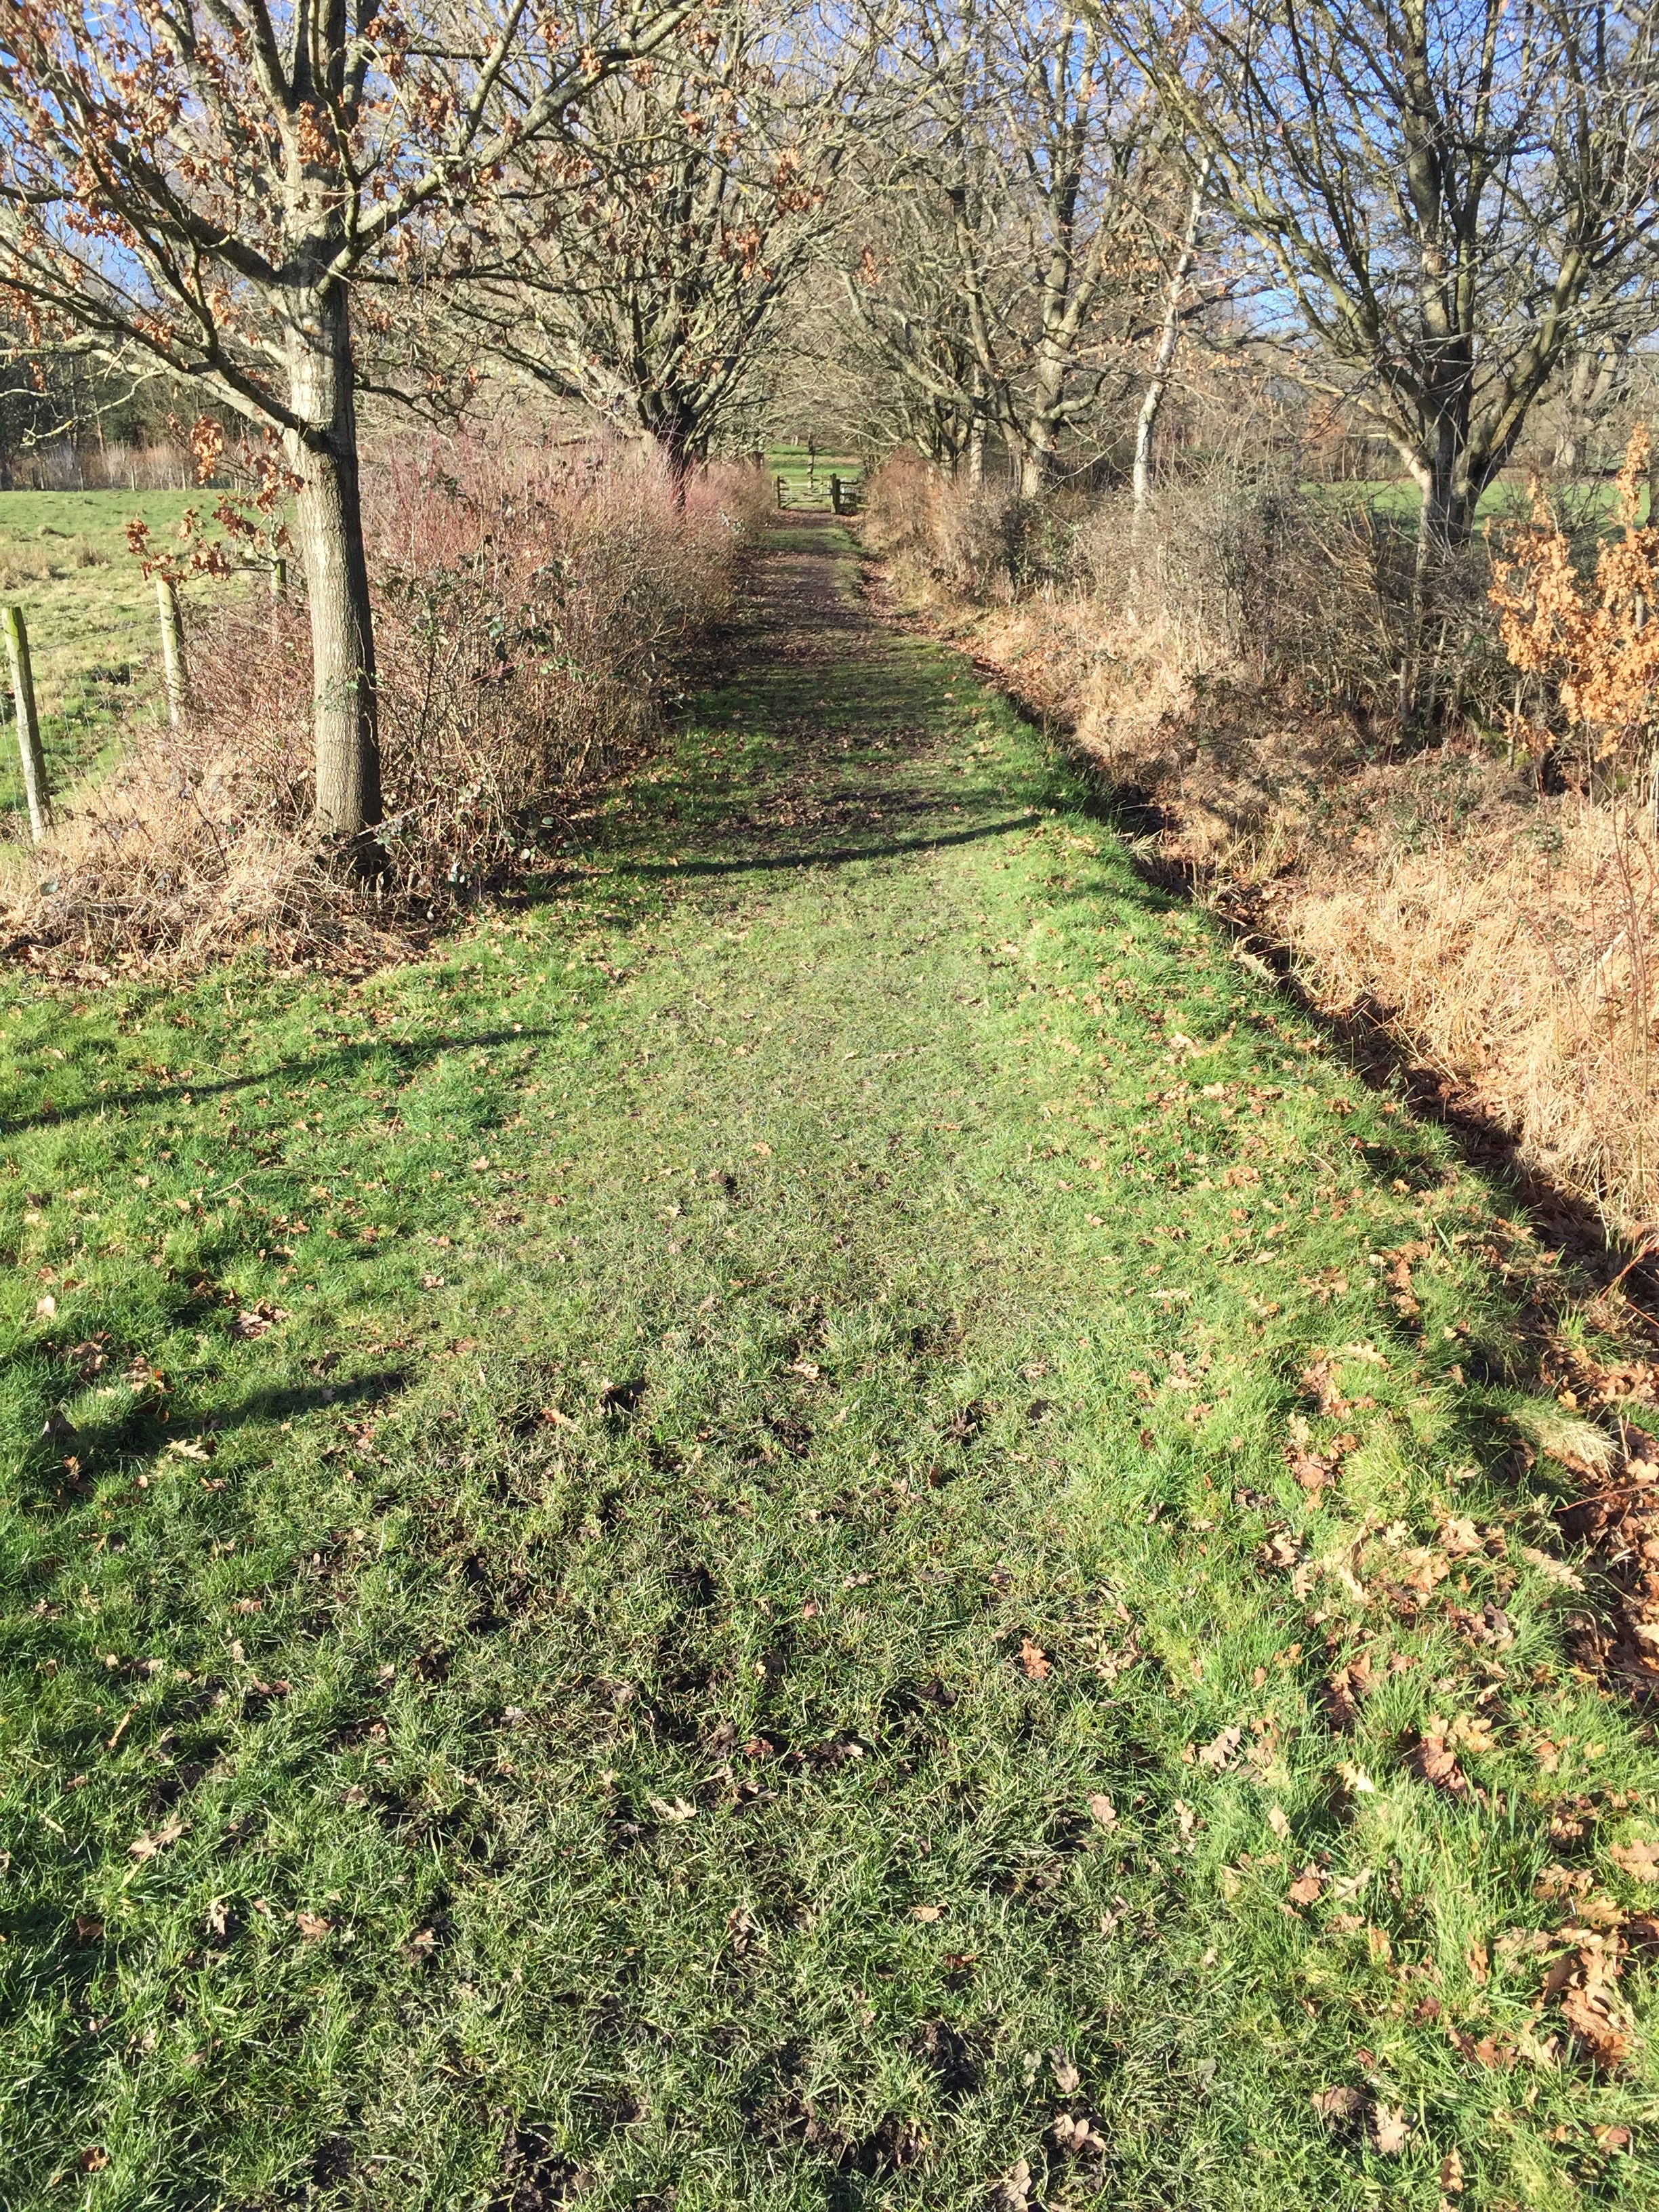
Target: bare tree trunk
pixel 676 442
pixel 1035 458
pixel 328 514
pixel 175 681
pixel 36 791
pixel 1163 360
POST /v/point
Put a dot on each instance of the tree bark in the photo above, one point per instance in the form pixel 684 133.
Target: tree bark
pixel 1163 360
pixel 976 452
pixel 676 440
pixel 1035 458
pixel 322 451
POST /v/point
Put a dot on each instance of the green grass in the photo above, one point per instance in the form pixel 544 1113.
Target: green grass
pixel 1396 496
pixel 91 616
pixel 600 1506
pixel 808 474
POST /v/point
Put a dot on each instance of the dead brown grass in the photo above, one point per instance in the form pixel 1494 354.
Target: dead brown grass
pixel 1506 934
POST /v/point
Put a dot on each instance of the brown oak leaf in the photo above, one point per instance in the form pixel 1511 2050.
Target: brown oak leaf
pixel 1344 1690
pixel 1339 2106
pixel 1639 1861
pixel 1390 2131
pixel 1587 2011
pixel 145 1846
pixel 1436 1764
pixel 1218 1752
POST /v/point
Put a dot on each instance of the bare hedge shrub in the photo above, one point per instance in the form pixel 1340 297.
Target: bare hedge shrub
pixel 531 610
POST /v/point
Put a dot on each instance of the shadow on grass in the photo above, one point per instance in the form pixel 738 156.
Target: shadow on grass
pixel 60 1481
pixel 413 1051
pixel 826 856
pixel 289 1402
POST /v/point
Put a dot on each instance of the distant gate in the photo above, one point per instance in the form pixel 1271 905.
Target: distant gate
pixel 833 495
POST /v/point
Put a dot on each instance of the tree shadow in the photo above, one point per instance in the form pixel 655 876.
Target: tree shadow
pixel 68 1459
pixel 292 1400
pixel 411 1051
pixel 821 856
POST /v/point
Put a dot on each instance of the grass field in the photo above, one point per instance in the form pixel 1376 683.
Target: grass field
pixel 91 617
pixel 791 1530
pixel 1506 497
pixel 807 476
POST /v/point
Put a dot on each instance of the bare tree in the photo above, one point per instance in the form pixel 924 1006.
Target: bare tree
pixel 1003 268
pixel 1446 198
pixel 1592 381
pixel 643 278
pixel 1180 304
pixel 203 186
pixel 910 341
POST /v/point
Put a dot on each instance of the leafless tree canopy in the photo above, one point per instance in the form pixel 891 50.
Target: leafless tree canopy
pixel 204 186
pixel 1002 227
pixel 1445 200
pixel 1005 264
pixel 641 274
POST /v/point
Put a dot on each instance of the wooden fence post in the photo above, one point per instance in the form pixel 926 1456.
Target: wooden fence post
pixel 28 726
pixel 781 500
pixel 173 647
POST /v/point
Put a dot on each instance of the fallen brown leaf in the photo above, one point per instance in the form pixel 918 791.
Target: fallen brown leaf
pixel 1066 2076
pixel 1319 1381
pixel 1438 1765
pixel 1339 2106
pixel 1587 2012
pixel 1390 2131
pixel 146 1845
pixel 1552 1570
pixel 1639 1861
pixel 1034 1660
pixel 1218 1752
pixel 1560 1881
pixel 1345 1688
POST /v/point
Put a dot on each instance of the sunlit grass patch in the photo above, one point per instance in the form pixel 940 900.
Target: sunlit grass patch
pixel 828 1518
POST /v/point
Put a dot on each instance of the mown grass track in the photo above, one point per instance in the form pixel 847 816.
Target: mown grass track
pixel 636 1550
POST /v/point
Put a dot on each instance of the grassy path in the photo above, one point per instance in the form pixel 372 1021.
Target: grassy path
pixel 784 1534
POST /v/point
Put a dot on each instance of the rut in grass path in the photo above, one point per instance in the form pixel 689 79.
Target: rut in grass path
pixel 836 1526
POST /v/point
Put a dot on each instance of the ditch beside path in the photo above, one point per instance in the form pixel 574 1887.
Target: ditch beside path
pixel 829 1522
